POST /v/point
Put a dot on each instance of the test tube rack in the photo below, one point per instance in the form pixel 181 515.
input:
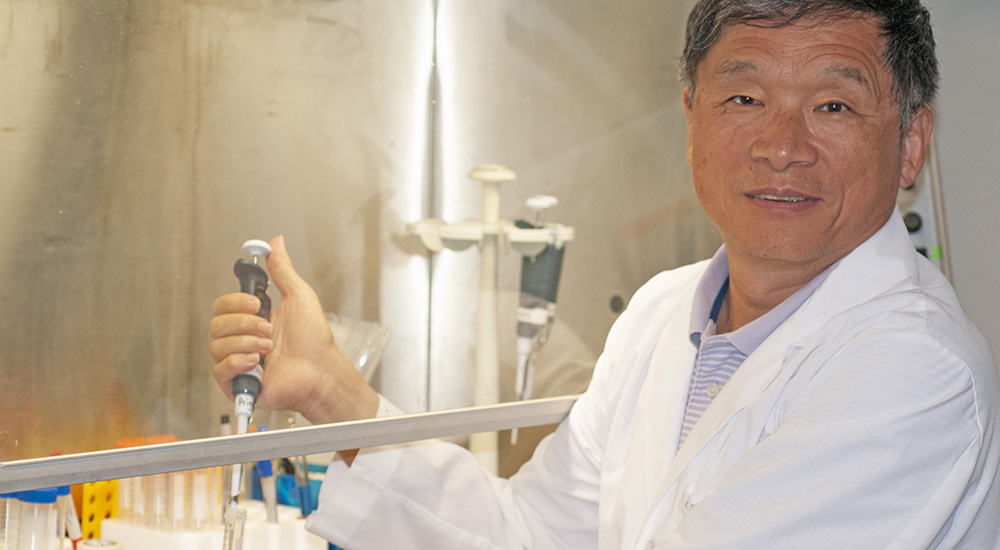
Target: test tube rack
pixel 289 533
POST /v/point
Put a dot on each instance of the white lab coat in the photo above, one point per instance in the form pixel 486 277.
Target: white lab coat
pixel 867 420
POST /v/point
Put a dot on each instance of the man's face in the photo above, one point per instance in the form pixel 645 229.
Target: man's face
pixel 794 140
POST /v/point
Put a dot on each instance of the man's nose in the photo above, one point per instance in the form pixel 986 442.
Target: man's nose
pixel 785 142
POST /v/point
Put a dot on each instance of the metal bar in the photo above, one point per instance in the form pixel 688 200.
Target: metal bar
pixel 36 473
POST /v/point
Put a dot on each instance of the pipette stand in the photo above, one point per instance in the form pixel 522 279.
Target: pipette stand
pixel 489 232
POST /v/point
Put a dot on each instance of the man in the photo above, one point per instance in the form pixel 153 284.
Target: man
pixel 815 385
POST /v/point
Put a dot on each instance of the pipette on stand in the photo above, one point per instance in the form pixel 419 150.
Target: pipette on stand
pixel 537 303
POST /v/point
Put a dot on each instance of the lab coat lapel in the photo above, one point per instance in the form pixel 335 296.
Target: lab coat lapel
pixel 756 374
pixel 749 381
pixel 658 416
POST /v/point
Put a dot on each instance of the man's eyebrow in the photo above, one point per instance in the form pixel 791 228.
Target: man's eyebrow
pixel 735 68
pixel 849 73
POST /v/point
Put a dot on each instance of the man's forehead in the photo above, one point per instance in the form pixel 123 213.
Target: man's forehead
pixel 733 68
pixel 853 46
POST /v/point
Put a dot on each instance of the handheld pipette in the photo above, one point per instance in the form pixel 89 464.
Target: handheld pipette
pixel 247 386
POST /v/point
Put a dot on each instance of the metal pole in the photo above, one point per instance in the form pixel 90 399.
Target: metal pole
pixel 22 475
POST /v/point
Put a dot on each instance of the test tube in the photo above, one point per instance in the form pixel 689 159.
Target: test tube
pixel 200 480
pixel 156 499
pixel 268 490
pixel 180 495
pixel 9 519
pixel 215 499
pixel 74 531
pixel 138 514
pixel 227 490
pixel 62 496
pixel 234 520
pixel 303 487
pixel 37 527
pixel 125 499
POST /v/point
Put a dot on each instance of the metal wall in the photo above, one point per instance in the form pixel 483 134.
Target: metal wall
pixel 141 143
pixel 582 100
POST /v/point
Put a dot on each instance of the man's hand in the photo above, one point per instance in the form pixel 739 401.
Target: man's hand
pixel 304 371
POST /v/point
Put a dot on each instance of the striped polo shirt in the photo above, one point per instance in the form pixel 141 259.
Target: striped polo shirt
pixel 719 355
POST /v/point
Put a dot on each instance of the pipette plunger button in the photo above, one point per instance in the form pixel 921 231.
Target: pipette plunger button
pixel 257 248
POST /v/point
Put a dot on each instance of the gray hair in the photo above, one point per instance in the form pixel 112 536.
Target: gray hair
pixel 905 24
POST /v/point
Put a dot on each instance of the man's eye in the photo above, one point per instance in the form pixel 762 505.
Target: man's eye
pixel 744 100
pixel 834 107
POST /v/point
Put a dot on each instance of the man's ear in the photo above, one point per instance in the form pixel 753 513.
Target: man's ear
pixel 915 142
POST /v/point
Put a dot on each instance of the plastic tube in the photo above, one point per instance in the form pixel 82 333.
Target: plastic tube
pixel 234 520
pixel 73 528
pixel 268 489
pixel 303 487
pixel 62 496
pixel 9 517
pixel 227 490
pixel 158 499
pixel 37 528
pixel 180 500
pixel 125 495
pixel 138 501
pixel 215 498
pixel 220 481
pixel 200 496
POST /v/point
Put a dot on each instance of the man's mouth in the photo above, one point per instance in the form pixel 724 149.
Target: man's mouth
pixel 779 199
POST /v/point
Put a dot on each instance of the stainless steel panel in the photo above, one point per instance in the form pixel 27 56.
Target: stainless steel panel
pixel 141 143
pixel 581 99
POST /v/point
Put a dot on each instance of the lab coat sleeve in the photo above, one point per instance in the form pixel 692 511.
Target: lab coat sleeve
pixel 876 449
pixel 435 494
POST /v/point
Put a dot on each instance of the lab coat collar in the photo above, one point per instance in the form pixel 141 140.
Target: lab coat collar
pixel 890 249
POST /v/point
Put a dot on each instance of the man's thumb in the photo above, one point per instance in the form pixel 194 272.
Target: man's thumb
pixel 279 265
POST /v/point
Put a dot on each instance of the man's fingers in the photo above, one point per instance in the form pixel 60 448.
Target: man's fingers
pixel 233 324
pixel 221 348
pixel 236 302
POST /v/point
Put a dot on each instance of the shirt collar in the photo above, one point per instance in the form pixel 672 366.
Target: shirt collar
pixel 705 295
pixel 749 337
